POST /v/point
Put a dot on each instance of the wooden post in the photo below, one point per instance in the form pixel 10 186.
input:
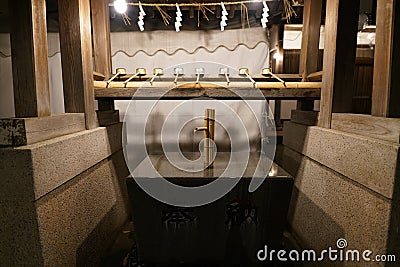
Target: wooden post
pixel 29 58
pixel 101 37
pixel 76 58
pixel 309 45
pixel 386 83
pixel 339 58
pixel 102 44
pixel 310 37
pixel 277 32
pixel 102 56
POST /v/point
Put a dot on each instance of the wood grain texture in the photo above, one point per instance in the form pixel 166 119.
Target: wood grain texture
pixel 309 45
pixel 102 45
pixel 76 58
pixel 387 129
pixel 25 131
pixel 209 85
pixel 216 92
pixel 328 76
pixel 29 58
pixel 386 84
pixel 310 37
pixel 97 76
pixel 315 76
pixel 339 58
pixel 289 77
pixel 101 37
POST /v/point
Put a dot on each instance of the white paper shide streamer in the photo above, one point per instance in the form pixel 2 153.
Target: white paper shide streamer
pixel 223 17
pixel 178 21
pixel 141 17
pixel 265 15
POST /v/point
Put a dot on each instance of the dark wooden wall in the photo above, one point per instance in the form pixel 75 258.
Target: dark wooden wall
pixel 362 84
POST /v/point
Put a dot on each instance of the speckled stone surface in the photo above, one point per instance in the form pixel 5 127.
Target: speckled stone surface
pixel 16 175
pixel 367 161
pixel 19 235
pixel 54 162
pixel 326 206
pixel 62 200
pixel 69 217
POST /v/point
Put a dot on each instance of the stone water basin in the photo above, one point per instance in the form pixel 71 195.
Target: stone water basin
pixel 227 232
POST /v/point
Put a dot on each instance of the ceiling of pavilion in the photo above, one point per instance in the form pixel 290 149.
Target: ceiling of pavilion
pixel 191 19
pixel 153 19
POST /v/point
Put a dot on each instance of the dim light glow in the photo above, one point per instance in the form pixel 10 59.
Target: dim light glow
pixel 278 56
pixel 120 6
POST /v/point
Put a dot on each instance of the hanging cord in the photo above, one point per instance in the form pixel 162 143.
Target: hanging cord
pixel 198 16
pixel 204 10
pixel 127 19
pixel 164 15
pixel 289 11
pixel 244 14
pixel 193 4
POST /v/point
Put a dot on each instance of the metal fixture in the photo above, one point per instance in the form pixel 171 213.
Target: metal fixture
pixel 245 71
pixel 268 72
pixel 199 72
pixel 139 72
pixel 208 129
pixel 178 72
pixel 156 72
pixel 225 72
pixel 119 71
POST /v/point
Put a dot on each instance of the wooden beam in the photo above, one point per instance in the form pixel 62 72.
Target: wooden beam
pixel 315 76
pixel 101 37
pixel 29 58
pixel 310 37
pixel 185 92
pixel 97 76
pixel 386 83
pixel 257 77
pixel 76 58
pixel 26 131
pixel 339 58
pixel 190 85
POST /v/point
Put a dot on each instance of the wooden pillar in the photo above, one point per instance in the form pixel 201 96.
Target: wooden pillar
pixel 386 83
pixel 102 45
pixel 339 58
pixel 310 37
pixel 277 66
pixel 309 45
pixel 76 58
pixel 277 32
pixel 101 37
pixel 29 58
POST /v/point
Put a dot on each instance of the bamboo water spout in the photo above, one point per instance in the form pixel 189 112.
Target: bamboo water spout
pixel 208 129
